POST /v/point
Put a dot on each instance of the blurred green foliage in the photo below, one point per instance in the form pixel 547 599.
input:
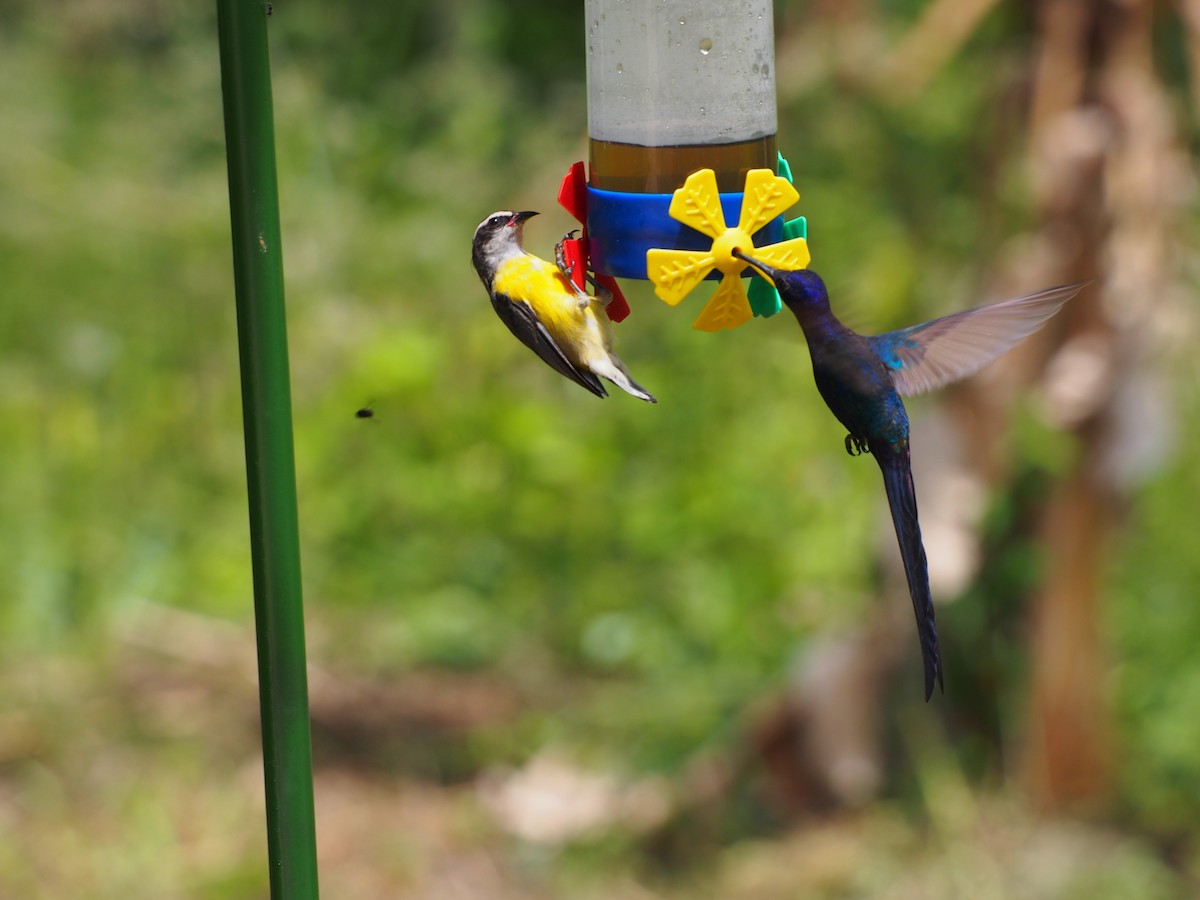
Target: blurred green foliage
pixel 638 572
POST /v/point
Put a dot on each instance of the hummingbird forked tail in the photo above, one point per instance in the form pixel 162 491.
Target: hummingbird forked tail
pixel 896 466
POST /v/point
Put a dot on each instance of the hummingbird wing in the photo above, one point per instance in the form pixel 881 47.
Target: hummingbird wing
pixel 932 354
pixel 524 323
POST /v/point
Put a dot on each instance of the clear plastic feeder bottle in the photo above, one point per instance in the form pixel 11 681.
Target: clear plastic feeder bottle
pixel 679 85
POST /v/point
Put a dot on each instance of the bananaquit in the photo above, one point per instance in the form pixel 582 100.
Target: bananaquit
pixel 541 305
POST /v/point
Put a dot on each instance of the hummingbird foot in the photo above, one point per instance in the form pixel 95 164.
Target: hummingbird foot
pixel 856 446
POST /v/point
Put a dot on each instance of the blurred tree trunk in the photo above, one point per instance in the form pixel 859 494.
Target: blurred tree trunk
pixel 1109 173
pixel 1067 758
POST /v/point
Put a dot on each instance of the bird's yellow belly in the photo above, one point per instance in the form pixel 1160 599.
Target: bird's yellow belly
pixel 576 329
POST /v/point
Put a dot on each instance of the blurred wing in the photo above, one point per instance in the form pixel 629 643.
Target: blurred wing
pixel 524 323
pixel 933 354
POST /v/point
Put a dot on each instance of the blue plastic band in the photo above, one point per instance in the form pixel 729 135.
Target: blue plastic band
pixel 622 227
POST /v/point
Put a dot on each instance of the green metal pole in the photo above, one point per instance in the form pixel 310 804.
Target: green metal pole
pixel 270 463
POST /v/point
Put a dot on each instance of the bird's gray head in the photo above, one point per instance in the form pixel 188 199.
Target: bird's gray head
pixel 802 290
pixel 498 238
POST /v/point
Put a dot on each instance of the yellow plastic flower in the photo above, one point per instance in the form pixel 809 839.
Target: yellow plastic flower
pixel 697 204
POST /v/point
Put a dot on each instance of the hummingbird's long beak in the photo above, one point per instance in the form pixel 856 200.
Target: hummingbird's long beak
pixel 762 267
pixel 522 216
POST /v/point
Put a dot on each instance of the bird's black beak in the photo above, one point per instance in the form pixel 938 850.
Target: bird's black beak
pixel 762 267
pixel 522 216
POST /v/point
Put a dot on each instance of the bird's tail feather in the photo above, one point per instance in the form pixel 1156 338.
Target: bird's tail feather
pixel 619 375
pixel 902 498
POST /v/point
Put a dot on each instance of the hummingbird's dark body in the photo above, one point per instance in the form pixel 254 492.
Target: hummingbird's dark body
pixel 862 377
pixel 857 387
pixel 854 383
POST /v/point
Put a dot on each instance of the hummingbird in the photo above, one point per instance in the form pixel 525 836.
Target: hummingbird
pixel 861 378
pixel 540 304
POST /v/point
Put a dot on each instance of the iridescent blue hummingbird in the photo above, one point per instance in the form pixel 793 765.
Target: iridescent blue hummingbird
pixel 861 378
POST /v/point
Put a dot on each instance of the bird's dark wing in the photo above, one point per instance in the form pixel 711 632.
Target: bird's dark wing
pixel 902 498
pixel 932 354
pixel 524 323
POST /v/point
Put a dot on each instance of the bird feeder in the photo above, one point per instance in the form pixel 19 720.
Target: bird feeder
pixel 682 135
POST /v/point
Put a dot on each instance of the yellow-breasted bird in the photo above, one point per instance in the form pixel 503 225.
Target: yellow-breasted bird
pixel 541 305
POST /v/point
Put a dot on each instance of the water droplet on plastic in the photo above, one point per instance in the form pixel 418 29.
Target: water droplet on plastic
pixel 766 70
pixel 682 20
pixel 705 46
pixel 620 68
